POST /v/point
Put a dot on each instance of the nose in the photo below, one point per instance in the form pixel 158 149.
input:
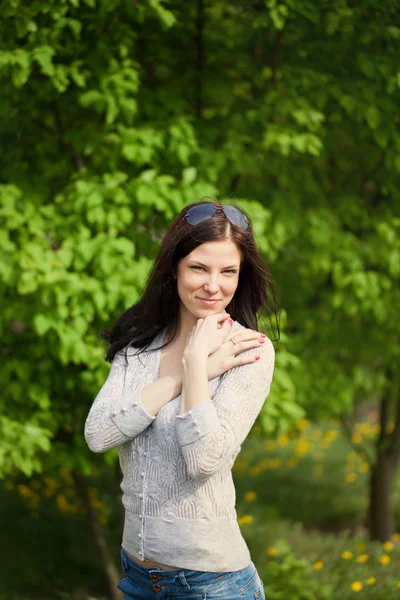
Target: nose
pixel 212 286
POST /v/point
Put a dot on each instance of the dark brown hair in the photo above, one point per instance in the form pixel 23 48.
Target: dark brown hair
pixel 158 306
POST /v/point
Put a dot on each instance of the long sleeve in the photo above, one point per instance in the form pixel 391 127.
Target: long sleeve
pixel 117 414
pixel 210 435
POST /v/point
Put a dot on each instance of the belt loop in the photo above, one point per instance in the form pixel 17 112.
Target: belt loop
pixel 124 560
pixel 183 579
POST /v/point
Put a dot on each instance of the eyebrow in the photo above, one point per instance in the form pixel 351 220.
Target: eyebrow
pixel 203 265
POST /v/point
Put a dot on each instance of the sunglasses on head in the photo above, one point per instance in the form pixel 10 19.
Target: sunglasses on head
pixel 202 212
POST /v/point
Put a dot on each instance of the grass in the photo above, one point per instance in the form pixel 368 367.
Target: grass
pixel 301 497
pixel 308 491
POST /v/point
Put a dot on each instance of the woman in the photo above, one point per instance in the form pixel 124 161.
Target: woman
pixel 180 407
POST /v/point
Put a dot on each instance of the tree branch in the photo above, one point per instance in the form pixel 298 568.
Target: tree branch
pixel 76 156
pixel 275 62
pixel 360 449
pixel 199 57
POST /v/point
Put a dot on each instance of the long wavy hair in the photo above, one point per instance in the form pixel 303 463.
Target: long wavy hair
pixel 158 306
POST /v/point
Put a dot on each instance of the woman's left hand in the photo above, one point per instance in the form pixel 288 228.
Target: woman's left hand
pixel 207 335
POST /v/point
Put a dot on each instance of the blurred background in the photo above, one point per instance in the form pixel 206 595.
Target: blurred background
pixel 116 114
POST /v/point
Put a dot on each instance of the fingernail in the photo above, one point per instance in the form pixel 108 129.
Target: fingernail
pixel 256 358
pixel 230 322
pixel 263 335
pixel 261 341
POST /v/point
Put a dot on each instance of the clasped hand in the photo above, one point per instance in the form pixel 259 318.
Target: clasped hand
pixel 206 341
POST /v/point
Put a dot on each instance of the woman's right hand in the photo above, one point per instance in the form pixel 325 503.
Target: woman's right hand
pixel 224 358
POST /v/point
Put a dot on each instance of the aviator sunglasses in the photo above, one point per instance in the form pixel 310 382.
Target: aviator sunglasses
pixel 202 212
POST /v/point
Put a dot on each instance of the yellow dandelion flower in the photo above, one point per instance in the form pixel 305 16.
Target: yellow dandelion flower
pixel 250 496
pixel 361 546
pixel 384 559
pixel 362 558
pixel 245 520
pixel 24 491
pixel 356 586
pixel 396 537
pixel 317 470
pixel 302 424
pixel 351 477
pixel 302 447
pixel 356 438
pixel 271 551
pixel 325 444
pixel 318 565
pixel 283 440
pixel 371 580
pixel 51 486
pixel 398 584
pixel 331 435
pixel 388 546
pixel 347 555
pixel 254 471
pixel 364 468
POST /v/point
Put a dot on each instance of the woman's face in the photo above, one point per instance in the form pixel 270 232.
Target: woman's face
pixel 210 271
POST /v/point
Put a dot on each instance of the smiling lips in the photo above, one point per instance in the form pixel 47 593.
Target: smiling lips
pixel 210 302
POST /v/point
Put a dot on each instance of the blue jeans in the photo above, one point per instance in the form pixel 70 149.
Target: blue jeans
pixel 140 583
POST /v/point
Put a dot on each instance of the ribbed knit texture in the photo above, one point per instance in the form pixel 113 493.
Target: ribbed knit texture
pixel 178 491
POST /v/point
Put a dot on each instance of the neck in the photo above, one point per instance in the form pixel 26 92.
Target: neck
pixel 185 324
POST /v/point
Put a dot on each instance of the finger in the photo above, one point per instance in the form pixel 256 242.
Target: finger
pixel 222 318
pixel 219 316
pixel 227 327
pixel 246 360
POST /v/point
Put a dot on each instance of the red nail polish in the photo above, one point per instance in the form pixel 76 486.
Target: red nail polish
pixel 230 322
pixel 256 358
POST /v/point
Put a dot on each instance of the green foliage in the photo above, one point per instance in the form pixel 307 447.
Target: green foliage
pixel 115 115
pixel 289 577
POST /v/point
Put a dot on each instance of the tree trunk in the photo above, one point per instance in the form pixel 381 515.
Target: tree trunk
pixel 107 562
pixel 381 519
pixel 380 516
